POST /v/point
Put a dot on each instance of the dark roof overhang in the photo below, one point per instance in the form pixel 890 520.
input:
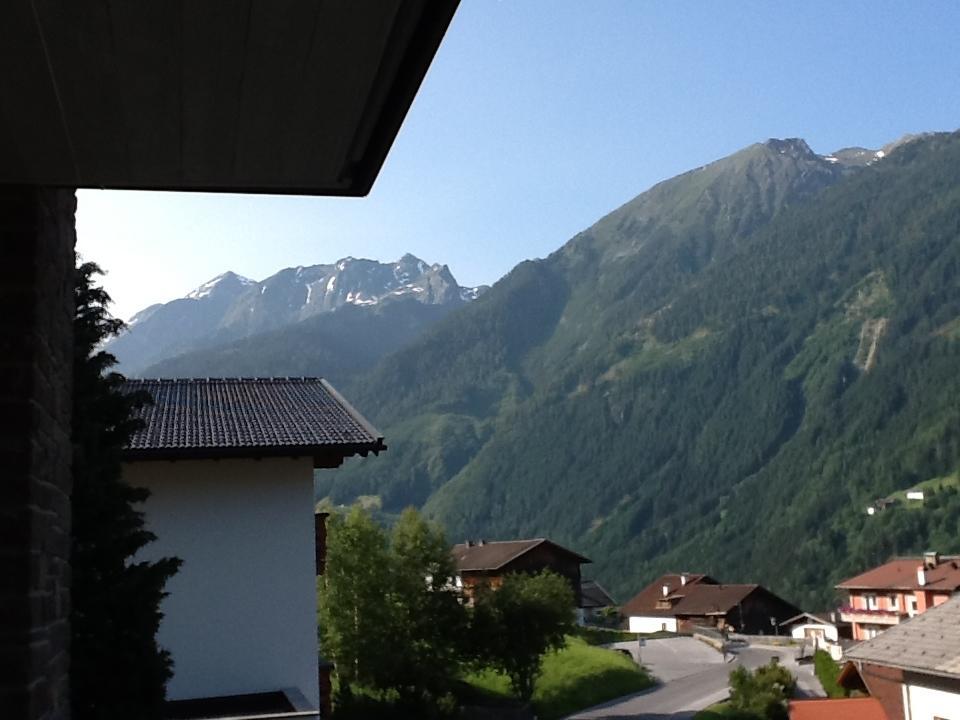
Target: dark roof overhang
pixel 323 456
pixel 250 96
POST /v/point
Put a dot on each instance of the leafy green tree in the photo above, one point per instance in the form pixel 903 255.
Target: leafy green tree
pixel 394 589
pixel 763 693
pixel 117 670
pixel 354 614
pixel 827 671
pixel 429 621
pixel 515 625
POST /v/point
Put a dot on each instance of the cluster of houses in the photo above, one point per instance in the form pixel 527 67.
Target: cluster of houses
pixel 898 633
pixel 229 464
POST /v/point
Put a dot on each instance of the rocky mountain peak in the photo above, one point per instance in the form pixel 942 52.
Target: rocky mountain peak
pixel 793 146
pixel 231 306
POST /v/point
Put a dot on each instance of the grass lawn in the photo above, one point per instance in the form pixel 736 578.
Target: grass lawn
pixel 718 711
pixel 574 678
pixel 602 636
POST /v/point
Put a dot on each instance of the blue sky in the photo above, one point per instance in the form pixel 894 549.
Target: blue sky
pixel 539 116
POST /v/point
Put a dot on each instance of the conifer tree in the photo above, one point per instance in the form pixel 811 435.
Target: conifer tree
pixel 117 669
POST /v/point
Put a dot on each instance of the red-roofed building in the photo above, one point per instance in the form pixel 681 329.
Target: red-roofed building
pixel 901 588
pixel 865 708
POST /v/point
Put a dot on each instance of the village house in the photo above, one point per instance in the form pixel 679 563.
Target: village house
pixel 913 669
pixel 682 602
pixel 229 465
pixel 901 588
pixel 485 563
pixel 808 627
pixel 594 599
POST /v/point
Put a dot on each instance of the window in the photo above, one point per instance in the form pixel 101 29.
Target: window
pixel 892 602
pixel 912 606
pixel 872 602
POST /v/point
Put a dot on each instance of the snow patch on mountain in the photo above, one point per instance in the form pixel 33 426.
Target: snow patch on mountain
pixel 211 285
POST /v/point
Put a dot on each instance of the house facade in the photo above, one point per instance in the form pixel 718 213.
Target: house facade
pixel 900 589
pixel 229 465
pixel 811 628
pixel 685 601
pixel 913 669
pixel 594 599
pixel 485 563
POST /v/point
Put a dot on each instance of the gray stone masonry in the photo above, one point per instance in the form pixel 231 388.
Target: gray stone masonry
pixel 37 236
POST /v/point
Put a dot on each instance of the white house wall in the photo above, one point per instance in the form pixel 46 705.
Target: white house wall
pixel 929 704
pixel 640 624
pixel 799 631
pixel 241 613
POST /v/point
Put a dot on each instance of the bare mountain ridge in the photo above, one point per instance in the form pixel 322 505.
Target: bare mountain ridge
pixel 230 307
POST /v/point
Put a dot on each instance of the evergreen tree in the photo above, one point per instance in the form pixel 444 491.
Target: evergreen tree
pixel 118 670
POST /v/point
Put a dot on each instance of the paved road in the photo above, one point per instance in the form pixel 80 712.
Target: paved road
pixel 692 675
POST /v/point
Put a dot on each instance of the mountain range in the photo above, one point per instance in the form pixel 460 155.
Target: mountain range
pixel 223 312
pixel 718 376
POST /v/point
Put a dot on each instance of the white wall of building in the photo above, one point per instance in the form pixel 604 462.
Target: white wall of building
pixel 639 624
pixel 241 614
pixel 799 632
pixel 928 704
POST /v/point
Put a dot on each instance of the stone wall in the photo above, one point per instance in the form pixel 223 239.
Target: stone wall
pixel 37 237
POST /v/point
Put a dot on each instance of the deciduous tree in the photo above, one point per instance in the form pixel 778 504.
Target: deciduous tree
pixel 515 625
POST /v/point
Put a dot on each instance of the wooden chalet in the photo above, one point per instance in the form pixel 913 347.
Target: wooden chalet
pixel 486 562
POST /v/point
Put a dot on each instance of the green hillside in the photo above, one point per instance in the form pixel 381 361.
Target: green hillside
pixel 334 345
pixel 718 376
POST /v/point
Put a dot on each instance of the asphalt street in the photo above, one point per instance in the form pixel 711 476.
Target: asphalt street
pixel 692 676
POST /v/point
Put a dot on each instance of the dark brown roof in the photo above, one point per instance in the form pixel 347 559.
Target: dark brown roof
pixel 901 574
pixel 711 599
pixel 645 601
pixel 495 554
pixel 247 417
pixel 594 595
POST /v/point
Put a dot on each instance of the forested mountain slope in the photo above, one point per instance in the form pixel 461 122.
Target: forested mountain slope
pixel 719 376
pixel 334 345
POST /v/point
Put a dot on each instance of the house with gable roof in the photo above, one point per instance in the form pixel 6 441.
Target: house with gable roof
pixel 229 465
pixel 901 588
pixel 681 602
pixel 485 563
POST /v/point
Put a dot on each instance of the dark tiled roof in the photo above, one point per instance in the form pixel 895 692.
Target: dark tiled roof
pixel 901 574
pixel 700 596
pixel 927 643
pixel 710 599
pixel 593 595
pixel 487 555
pixel 645 601
pixel 239 417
